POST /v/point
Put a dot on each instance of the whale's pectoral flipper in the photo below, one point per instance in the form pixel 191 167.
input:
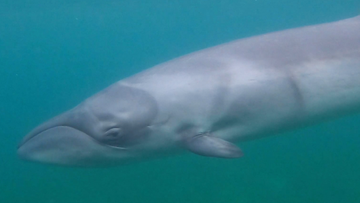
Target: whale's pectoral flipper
pixel 206 145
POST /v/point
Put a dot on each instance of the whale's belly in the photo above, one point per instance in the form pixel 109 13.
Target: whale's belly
pixel 266 102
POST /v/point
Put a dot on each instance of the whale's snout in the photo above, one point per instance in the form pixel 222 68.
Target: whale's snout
pixel 61 145
pixel 69 140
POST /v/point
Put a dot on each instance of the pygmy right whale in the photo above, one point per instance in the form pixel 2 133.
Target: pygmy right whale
pixel 208 101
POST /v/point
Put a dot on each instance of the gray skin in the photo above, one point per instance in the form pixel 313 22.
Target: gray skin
pixel 205 101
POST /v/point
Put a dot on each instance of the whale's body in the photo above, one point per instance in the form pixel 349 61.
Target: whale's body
pixel 242 90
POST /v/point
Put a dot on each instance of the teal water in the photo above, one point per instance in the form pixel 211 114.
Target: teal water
pixel 54 54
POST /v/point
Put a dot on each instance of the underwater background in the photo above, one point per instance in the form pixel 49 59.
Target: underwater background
pixel 54 54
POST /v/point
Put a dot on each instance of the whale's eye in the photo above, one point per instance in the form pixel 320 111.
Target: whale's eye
pixel 113 137
pixel 123 138
pixel 114 133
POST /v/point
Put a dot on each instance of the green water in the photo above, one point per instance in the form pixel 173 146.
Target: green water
pixel 54 54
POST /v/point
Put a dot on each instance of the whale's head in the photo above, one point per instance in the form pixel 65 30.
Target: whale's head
pixel 112 127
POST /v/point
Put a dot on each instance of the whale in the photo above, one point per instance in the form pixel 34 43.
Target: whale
pixel 210 101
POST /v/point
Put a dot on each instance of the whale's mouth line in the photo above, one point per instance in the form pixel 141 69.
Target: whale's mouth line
pixel 33 136
pixel 24 141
